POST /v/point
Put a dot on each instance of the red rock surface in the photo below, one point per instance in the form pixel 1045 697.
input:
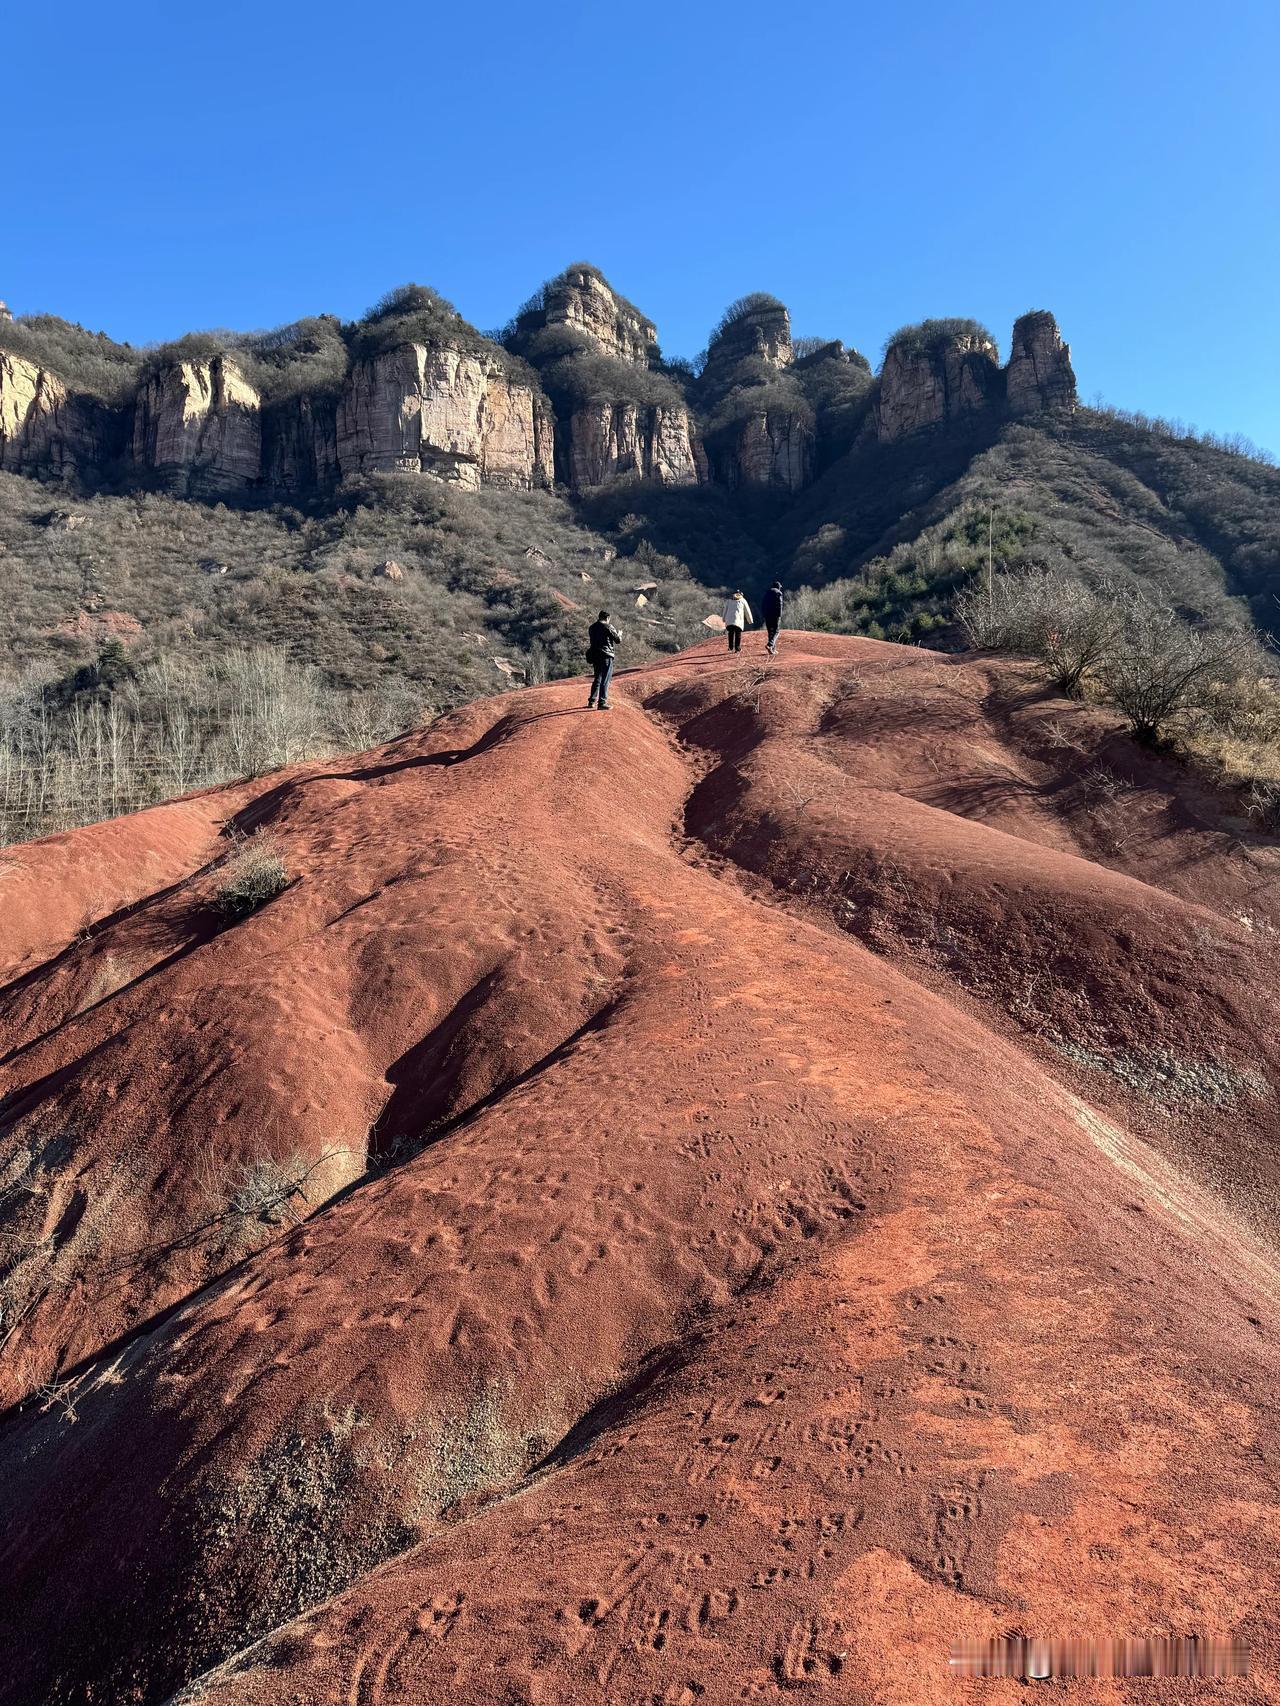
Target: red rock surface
pixel 789 1182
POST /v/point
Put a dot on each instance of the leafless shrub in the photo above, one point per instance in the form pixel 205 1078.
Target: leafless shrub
pixel 249 1199
pixel 1058 736
pixel 266 1190
pixel 1101 783
pixel 1262 801
pixel 62 1397
pixel 1048 615
pixel 800 801
pixel 253 873
pixel 1160 669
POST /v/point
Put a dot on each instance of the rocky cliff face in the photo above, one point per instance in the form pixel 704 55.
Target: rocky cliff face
pixel 46 429
pixel 199 425
pixel 771 449
pixel 763 431
pixel 1040 376
pixel 587 342
pixel 432 396
pixel 926 384
pixel 300 444
pixel 457 416
pixel 607 441
pixel 761 332
pixel 583 301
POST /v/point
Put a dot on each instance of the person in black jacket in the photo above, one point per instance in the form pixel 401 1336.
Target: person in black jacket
pixel 602 637
pixel 771 610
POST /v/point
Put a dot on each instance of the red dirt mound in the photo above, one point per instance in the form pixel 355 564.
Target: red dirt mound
pixel 686 1205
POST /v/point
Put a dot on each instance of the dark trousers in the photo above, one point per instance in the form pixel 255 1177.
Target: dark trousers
pixel 735 639
pixel 771 634
pixel 600 682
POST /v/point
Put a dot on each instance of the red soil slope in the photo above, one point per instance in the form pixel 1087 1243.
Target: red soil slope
pixel 786 1182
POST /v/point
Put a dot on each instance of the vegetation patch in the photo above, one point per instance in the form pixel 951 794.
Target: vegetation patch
pixel 251 875
pixel 1169 1077
pixel 929 337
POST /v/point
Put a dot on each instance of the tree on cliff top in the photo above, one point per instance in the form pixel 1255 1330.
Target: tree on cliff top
pixel 416 314
pixel 537 304
pixel 89 362
pixel 755 302
pixel 930 336
pixel 306 357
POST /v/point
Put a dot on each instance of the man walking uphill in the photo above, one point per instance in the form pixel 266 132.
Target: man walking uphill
pixel 737 616
pixel 772 613
pixel 602 637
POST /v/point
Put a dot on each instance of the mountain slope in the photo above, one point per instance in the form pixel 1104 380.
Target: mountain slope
pixel 801 1193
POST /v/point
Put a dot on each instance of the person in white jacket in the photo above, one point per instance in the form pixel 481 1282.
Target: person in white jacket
pixel 737 616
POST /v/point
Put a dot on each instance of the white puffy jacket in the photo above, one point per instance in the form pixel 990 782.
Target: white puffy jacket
pixel 737 613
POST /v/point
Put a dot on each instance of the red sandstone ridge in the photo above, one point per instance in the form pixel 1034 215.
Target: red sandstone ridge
pixel 788 1180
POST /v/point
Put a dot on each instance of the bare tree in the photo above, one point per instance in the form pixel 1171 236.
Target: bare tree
pixel 1047 614
pixel 1160 668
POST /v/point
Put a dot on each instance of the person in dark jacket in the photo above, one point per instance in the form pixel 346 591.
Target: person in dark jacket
pixel 771 610
pixel 602 637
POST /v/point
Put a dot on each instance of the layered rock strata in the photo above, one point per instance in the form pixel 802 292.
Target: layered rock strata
pixel 606 441
pixel 582 300
pixel 769 444
pixel 198 424
pixel 440 411
pixel 44 427
pixel 1040 377
pixel 762 332
pixel 300 443
pixel 772 449
pixel 928 384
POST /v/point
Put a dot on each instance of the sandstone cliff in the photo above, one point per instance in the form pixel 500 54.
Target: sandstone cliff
pixel 1040 376
pixel 935 373
pixel 756 327
pixel 198 423
pixel 582 301
pixel 44 427
pixel 580 395
pixel 771 448
pixel 760 425
pixel 606 441
pixel 597 354
pixel 456 415
pixel 300 443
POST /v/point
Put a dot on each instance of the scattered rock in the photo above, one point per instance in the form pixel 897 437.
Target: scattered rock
pixel 539 557
pixel 98 625
pixel 562 599
pixel 641 601
pixel 390 570
pixel 61 520
pixel 211 566
pixel 715 623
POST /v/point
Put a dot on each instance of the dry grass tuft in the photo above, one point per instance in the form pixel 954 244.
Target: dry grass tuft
pixel 253 873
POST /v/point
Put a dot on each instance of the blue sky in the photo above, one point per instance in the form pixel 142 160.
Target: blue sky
pixel 173 167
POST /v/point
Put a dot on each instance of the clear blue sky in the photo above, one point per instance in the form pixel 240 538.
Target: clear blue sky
pixel 173 167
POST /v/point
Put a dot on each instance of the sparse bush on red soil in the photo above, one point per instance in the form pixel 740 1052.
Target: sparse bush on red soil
pixel 252 874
